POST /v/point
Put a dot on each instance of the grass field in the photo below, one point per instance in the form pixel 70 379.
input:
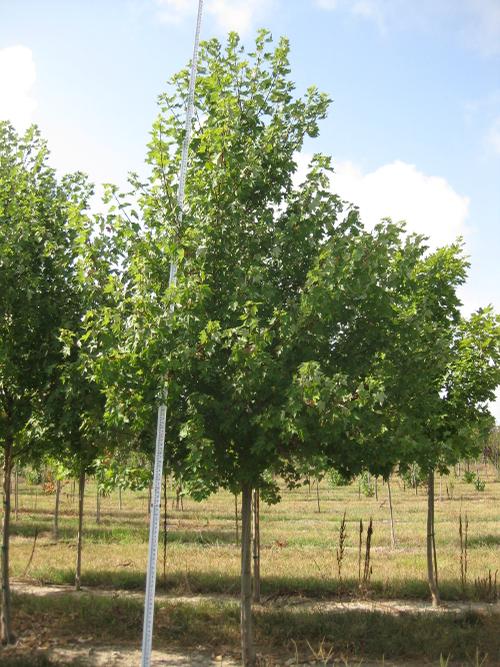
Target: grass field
pixel 298 558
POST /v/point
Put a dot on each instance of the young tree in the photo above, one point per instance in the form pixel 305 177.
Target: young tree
pixel 38 222
pixel 440 375
pixel 284 307
pixel 77 416
pixel 458 423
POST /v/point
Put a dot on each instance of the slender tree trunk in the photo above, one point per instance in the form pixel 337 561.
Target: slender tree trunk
pixel 120 504
pixel 376 487
pixel 16 492
pixel 360 545
pixel 393 536
pixel 5 614
pixel 236 518
pixel 256 546
pixel 317 495
pixel 81 495
pixel 179 503
pixel 434 554
pixel 98 507
pixel 247 643
pixel 431 563
pixel 55 529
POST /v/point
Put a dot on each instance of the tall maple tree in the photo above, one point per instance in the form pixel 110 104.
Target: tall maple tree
pixel 285 307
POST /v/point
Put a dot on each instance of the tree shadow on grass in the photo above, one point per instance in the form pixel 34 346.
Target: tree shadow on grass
pixel 484 541
pixel 119 534
pixel 180 581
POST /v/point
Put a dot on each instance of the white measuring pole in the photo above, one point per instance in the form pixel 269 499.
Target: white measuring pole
pixel 149 602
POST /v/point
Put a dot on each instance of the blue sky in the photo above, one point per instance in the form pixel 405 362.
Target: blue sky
pixel 414 128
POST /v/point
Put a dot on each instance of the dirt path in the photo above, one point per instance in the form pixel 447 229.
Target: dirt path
pixel 111 657
pixel 284 601
pixel 117 656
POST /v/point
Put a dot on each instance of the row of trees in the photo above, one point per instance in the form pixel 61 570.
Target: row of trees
pixel 300 340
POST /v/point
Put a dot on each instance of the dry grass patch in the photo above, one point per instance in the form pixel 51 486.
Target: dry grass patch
pixel 298 542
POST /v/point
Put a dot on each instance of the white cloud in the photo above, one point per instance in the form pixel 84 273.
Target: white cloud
pixel 238 15
pixel 398 190
pixel 493 136
pixel 327 4
pixel 174 11
pixel 17 78
pixel 428 204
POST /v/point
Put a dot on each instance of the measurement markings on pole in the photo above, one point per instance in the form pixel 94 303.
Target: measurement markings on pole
pixel 153 541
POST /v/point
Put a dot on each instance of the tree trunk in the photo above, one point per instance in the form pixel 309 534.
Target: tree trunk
pixel 98 507
pixel 247 644
pixel 5 614
pixel 120 504
pixel 16 493
pixel 360 545
pixel 317 495
pixel 256 546
pixel 393 536
pixel 55 529
pixel 236 518
pixel 179 503
pixel 376 487
pixel 81 494
pixel 431 563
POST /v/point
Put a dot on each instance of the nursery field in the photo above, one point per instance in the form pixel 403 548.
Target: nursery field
pixel 321 600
